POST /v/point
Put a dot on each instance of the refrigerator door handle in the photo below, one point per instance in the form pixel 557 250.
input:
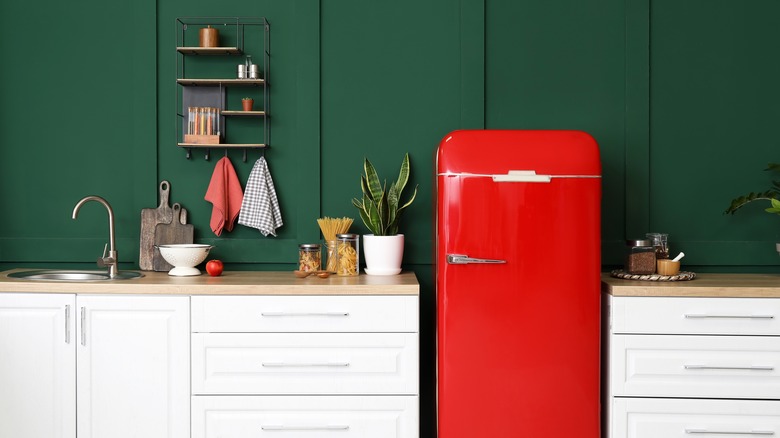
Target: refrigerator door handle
pixel 460 259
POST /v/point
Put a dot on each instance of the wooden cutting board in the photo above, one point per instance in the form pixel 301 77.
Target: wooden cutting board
pixel 171 233
pixel 150 217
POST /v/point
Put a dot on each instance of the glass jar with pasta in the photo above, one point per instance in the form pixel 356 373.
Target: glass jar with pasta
pixel 347 254
pixel 309 257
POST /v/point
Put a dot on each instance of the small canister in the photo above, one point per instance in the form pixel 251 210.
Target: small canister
pixel 241 71
pixel 209 37
pixel 254 72
pixel 309 257
pixel 348 254
pixel 640 258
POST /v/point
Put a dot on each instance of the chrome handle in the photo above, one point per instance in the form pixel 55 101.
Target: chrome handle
pixel 324 427
pixel 726 432
pixel 83 326
pixel 304 314
pixel 460 259
pixel 67 323
pixel 304 364
pixel 750 368
pixel 703 315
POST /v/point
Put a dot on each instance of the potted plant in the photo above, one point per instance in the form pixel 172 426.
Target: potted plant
pixel 247 103
pixel 770 195
pixel 380 209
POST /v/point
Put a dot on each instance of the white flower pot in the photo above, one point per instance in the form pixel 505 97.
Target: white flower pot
pixel 383 254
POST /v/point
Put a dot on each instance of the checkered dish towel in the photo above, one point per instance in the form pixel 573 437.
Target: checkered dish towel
pixel 260 208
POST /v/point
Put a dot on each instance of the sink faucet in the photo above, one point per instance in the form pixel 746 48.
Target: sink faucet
pixel 110 261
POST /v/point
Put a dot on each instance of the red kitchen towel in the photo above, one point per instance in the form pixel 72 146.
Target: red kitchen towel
pixel 226 195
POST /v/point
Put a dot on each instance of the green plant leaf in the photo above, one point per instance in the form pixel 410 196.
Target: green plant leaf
pixel 372 180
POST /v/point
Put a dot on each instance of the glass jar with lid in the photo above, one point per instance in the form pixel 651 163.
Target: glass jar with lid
pixel 348 254
pixel 640 257
pixel 309 257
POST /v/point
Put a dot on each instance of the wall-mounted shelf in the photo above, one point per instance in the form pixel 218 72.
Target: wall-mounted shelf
pixel 226 147
pixel 212 82
pixel 209 50
pixel 209 93
pixel 243 113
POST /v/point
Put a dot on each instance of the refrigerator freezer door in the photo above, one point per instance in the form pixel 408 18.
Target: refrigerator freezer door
pixel 518 342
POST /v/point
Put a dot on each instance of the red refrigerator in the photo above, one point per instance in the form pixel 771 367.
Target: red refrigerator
pixel 518 284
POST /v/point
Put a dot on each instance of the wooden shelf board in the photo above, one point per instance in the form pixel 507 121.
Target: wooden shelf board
pixel 243 113
pixel 209 50
pixel 223 145
pixel 244 82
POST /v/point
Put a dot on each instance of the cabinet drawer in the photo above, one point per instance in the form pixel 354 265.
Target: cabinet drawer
pixel 305 314
pixel 297 416
pixel 695 366
pixel 665 315
pixel 310 363
pixel 680 418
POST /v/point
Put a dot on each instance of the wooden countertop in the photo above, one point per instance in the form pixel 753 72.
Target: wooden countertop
pixel 704 285
pixel 229 283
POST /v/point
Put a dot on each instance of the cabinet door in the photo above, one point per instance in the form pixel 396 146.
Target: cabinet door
pixel 305 417
pixel 133 366
pixel 690 418
pixel 37 366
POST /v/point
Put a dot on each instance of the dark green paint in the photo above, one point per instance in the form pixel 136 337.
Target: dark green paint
pixel 680 96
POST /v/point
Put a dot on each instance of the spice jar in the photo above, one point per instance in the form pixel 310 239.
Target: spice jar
pixel 661 243
pixel 309 257
pixel 347 254
pixel 641 257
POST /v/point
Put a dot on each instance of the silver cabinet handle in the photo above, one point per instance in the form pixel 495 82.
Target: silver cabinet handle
pixel 704 315
pixel 325 427
pixel 750 368
pixel 726 432
pixel 84 326
pixel 460 259
pixel 304 314
pixel 304 364
pixel 67 323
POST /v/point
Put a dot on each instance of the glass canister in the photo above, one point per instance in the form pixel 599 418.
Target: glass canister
pixel 661 243
pixel 640 257
pixel 309 257
pixel 347 254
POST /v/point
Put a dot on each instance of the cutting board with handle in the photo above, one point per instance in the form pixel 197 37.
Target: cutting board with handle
pixel 171 233
pixel 150 217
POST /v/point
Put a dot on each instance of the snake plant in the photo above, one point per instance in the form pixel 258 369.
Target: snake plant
pixel 770 195
pixel 380 207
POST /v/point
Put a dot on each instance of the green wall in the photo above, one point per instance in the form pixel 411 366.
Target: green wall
pixel 680 96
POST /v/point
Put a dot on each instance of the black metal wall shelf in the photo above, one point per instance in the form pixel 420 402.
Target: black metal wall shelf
pixel 240 36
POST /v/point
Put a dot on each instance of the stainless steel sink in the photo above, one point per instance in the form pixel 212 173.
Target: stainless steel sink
pixel 69 275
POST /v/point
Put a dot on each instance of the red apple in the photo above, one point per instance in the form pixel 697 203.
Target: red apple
pixel 214 268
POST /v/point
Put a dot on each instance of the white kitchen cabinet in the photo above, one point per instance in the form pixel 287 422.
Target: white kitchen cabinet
pixel 133 366
pixel 302 366
pixel 91 366
pixel 37 366
pixel 690 366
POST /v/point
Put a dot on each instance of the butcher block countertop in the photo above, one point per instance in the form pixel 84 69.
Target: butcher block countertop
pixel 704 285
pixel 229 283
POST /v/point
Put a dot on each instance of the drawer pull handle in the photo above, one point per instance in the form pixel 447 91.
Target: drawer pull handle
pixel 725 432
pixel 304 314
pixel 708 367
pixel 304 364
pixel 703 315
pixel 282 427
pixel 67 323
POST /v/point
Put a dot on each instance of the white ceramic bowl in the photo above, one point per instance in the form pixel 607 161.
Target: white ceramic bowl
pixel 184 257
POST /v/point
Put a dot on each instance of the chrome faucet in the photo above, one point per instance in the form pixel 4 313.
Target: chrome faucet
pixel 109 260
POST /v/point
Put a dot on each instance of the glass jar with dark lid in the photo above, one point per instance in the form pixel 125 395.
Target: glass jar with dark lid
pixel 640 257
pixel 309 257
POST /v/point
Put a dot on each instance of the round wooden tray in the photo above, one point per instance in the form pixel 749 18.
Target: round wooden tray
pixel 681 276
